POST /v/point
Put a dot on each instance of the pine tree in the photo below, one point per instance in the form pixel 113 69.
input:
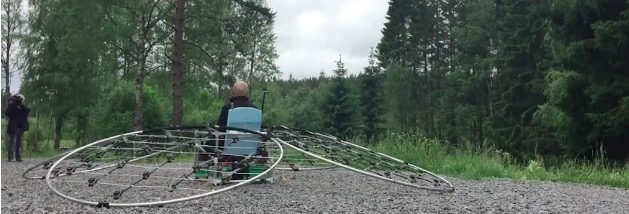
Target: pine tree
pixel 391 46
pixel 587 92
pixel 394 52
pixel 520 55
pixel 371 99
pixel 340 105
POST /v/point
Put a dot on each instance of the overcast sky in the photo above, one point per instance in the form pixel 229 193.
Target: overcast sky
pixel 312 33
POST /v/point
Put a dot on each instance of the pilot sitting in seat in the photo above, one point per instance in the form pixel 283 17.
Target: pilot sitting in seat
pixel 240 91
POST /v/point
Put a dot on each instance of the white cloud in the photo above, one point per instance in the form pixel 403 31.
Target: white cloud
pixel 312 33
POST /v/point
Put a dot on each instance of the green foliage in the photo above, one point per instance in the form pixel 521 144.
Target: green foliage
pixel 473 162
pixel 308 113
pixel 202 108
pixel 397 89
pixel 590 88
pixel 529 77
pixel 113 114
pixel 33 136
pixel 371 99
pixel 340 105
pixel 487 88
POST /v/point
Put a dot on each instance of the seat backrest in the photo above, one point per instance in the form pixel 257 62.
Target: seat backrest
pixel 244 118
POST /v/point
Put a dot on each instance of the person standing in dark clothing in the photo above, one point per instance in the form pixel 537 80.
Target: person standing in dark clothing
pixel 17 114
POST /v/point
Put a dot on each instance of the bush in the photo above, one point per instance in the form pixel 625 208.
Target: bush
pixel 473 162
pixel 32 139
pixel 114 113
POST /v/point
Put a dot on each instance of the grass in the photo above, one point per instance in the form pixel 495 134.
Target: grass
pixel 467 163
pixel 46 151
pixel 38 131
pixel 474 164
pixel 45 148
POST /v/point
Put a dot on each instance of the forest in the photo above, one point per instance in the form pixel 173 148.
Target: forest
pixel 534 79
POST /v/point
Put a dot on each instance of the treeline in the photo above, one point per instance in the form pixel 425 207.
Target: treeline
pixel 547 78
pixel 112 66
pixel 532 78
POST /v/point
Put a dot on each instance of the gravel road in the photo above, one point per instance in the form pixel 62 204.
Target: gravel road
pixel 340 191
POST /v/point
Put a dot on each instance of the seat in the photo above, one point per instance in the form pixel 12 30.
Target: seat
pixel 241 143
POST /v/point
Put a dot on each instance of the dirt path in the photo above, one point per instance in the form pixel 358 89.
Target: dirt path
pixel 338 191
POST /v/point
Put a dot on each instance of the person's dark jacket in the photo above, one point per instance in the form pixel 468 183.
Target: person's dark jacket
pixel 234 102
pixel 17 113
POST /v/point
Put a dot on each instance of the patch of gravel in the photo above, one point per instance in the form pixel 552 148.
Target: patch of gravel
pixel 341 191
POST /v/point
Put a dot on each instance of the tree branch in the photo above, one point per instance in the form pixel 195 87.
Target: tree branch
pixel 162 14
pixel 108 14
pixel 264 11
pixel 148 50
pixel 210 17
pixel 126 50
pixel 132 10
pixel 150 14
pixel 213 61
pixel 168 57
